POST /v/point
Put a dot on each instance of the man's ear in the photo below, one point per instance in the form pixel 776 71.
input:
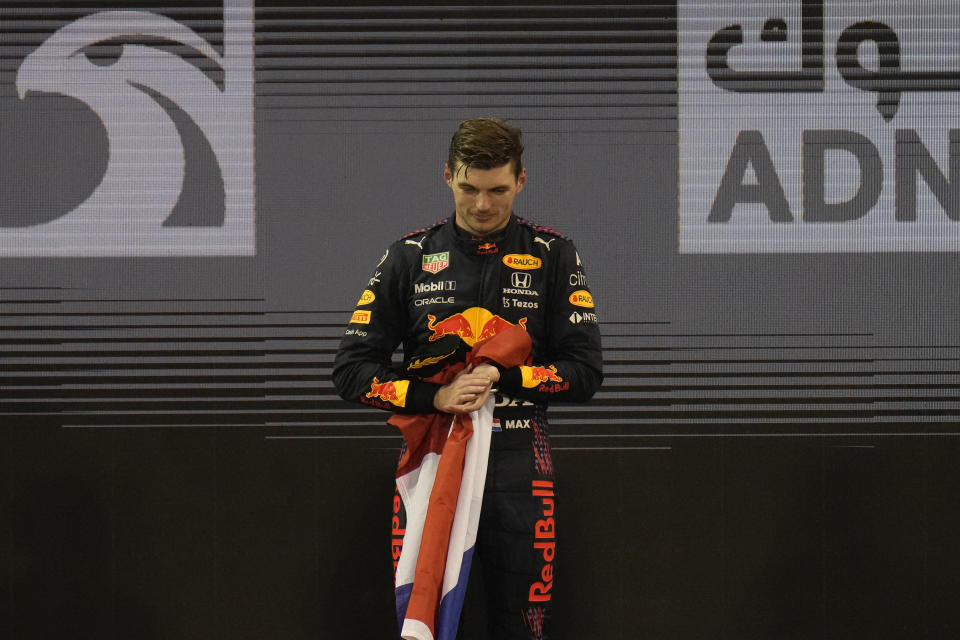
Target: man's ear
pixel 447 174
pixel 522 179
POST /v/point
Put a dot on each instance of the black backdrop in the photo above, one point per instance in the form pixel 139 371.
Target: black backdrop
pixel 772 454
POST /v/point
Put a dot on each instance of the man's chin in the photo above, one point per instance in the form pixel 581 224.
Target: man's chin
pixel 484 226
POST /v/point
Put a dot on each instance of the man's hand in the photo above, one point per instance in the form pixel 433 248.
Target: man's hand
pixel 467 391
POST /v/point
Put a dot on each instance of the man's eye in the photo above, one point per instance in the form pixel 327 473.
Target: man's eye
pixel 499 192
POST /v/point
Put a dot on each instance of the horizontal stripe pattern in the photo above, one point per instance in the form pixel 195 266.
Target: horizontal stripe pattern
pixel 179 363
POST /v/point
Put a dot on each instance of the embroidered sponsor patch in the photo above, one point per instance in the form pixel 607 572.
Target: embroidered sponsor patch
pixel 521 280
pixel 360 317
pixel 432 287
pixel 392 391
pixel 424 302
pixel 582 298
pixel 583 318
pixel 436 262
pixel 523 261
pixel 419 363
pixel 366 297
pixel 473 325
pixel 532 376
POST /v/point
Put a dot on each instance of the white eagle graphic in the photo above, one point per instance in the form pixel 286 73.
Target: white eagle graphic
pixel 145 174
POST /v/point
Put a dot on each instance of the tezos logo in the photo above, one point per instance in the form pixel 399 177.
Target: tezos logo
pixel 808 126
pixel 176 111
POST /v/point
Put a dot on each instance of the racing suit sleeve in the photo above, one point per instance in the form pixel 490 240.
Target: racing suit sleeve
pixel 362 369
pixel 574 367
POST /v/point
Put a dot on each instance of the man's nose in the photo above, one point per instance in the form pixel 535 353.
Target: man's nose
pixel 483 202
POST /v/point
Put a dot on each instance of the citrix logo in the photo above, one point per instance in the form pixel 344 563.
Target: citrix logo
pixel 179 179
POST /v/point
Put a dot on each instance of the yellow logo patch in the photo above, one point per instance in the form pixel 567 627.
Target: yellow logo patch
pixel 366 297
pixel 582 298
pixel 523 261
pixel 360 317
pixel 392 391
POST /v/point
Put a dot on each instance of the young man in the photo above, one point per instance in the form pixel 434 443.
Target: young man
pixel 440 291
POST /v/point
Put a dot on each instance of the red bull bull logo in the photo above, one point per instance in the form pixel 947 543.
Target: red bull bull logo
pixel 392 391
pixel 533 376
pixel 486 249
pixel 473 325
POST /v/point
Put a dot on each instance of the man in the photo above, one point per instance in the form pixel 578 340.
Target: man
pixel 440 291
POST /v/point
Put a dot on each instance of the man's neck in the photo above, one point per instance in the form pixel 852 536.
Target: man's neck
pixel 466 233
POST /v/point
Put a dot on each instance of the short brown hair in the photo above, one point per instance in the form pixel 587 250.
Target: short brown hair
pixel 486 143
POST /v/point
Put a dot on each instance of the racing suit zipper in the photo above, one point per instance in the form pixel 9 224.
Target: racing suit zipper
pixel 483 279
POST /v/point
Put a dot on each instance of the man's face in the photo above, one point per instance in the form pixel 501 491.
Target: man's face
pixel 483 197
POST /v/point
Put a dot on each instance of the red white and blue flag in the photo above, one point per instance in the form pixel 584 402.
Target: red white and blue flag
pixel 440 479
pixel 443 511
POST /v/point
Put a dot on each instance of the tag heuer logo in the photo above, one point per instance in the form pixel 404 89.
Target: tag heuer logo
pixel 436 262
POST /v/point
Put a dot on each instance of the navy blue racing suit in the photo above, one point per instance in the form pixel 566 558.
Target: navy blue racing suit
pixel 437 292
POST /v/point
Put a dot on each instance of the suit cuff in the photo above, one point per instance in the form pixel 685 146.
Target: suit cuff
pixel 511 380
pixel 420 397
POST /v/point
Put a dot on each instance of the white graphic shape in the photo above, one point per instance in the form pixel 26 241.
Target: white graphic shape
pixel 145 172
pixel 791 131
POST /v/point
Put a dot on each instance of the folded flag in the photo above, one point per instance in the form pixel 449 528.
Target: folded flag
pixel 440 479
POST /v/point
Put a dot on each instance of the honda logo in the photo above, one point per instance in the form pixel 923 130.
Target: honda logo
pixel 520 280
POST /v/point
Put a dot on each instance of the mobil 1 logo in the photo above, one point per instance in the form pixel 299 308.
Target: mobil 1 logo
pixel 819 126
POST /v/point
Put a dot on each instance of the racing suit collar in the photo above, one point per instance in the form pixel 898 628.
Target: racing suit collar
pixel 487 246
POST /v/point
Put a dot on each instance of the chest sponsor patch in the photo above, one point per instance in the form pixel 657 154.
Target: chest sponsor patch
pixel 473 325
pixel 436 262
pixel 514 303
pixel 523 261
pixel 421 302
pixel 520 282
pixel 432 287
